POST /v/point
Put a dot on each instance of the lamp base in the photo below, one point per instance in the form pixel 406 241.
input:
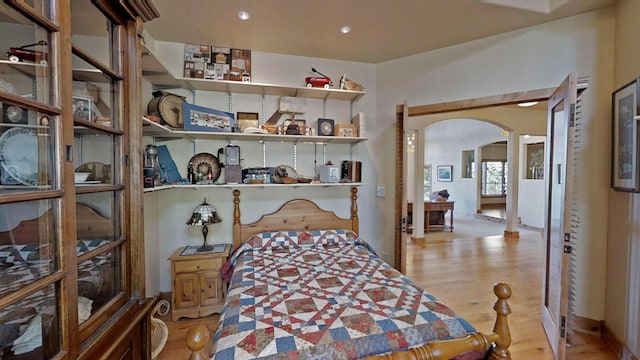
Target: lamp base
pixel 204 248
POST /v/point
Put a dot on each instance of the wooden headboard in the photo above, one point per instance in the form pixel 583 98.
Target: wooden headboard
pixel 297 214
pixel 90 224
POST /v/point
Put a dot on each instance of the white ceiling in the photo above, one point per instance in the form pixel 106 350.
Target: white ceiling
pixel 382 30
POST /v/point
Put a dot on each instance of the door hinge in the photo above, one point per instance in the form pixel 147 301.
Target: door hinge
pixel 567 237
pixel 568 249
pixel 563 326
pixel 572 115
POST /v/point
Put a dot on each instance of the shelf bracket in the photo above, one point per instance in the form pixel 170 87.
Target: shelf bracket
pixel 324 107
pixel 295 156
pixel 230 101
pixel 264 110
pixel 264 153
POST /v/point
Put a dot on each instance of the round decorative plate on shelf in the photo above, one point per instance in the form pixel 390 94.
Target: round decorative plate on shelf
pixel 19 154
pixel 206 167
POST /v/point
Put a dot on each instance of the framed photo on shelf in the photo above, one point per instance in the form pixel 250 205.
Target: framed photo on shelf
pixel 82 108
pixel 346 130
pixel 246 120
pixel 200 118
pixel 445 173
pixel 624 144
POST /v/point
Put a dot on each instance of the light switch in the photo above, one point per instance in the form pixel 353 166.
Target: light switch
pixel 380 191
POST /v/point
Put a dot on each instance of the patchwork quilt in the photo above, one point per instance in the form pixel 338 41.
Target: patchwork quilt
pixel 324 295
pixel 21 265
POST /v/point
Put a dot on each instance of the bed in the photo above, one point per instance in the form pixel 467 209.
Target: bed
pixel 26 255
pixel 304 285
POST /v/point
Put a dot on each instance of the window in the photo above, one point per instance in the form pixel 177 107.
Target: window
pixel 494 178
pixel 427 181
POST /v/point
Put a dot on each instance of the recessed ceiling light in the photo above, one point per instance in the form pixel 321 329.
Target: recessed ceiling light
pixel 527 104
pixel 243 15
pixel 345 29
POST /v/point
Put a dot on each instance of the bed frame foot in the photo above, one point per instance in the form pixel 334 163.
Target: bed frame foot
pixel 197 340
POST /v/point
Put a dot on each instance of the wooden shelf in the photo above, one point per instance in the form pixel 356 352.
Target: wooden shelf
pixel 158 75
pixel 151 128
pixel 91 75
pixel 268 89
pixel 255 186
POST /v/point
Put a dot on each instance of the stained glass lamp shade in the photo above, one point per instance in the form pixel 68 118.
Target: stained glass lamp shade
pixel 204 215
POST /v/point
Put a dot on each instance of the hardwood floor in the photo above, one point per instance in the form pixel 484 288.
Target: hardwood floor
pixel 461 273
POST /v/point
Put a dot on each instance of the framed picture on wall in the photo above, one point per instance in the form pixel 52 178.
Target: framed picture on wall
pixel 445 172
pixel 624 144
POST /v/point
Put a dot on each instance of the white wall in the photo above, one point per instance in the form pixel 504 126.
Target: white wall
pixel 445 141
pixel 172 208
pixel 622 313
pixel 532 58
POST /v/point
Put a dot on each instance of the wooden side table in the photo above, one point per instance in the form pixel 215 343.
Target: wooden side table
pixel 196 284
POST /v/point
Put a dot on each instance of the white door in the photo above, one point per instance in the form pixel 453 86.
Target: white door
pixel 557 236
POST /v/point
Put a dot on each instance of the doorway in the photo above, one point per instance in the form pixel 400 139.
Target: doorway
pixel 567 87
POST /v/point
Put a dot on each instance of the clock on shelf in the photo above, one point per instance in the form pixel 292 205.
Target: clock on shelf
pixel 13 114
pixel 325 127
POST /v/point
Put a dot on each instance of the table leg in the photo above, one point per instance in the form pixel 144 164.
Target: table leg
pixel 451 221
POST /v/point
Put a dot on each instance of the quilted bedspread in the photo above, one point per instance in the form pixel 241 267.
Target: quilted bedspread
pixel 324 295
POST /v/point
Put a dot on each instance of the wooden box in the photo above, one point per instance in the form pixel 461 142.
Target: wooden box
pixel 346 130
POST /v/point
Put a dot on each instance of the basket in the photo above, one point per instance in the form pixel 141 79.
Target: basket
pixel 159 330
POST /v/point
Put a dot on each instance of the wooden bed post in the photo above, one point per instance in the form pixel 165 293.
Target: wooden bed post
pixel 197 340
pixel 236 218
pixel 501 327
pixel 354 210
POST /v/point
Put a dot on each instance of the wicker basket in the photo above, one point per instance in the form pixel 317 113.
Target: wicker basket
pixel 159 330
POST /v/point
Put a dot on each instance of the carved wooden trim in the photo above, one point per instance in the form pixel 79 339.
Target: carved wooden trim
pixel 127 10
pixel 297 214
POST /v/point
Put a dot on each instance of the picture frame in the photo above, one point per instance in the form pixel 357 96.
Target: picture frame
pixel 346 130
pixel 445 173
pixel 82 108
pixel 624 142
pixel 200 118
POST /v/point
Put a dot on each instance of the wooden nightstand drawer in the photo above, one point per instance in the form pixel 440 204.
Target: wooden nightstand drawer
pixel 198 265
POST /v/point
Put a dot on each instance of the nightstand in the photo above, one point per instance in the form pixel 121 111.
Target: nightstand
pixel 196 284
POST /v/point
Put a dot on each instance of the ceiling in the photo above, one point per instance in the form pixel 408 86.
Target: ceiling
pixel 382 30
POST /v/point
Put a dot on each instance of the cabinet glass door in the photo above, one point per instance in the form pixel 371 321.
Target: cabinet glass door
pixel 98 142
pixel 32 272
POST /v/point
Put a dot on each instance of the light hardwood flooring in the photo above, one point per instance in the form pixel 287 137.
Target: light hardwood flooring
pixel 461 273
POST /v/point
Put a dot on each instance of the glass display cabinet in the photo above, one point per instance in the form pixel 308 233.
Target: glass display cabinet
pixel 71 278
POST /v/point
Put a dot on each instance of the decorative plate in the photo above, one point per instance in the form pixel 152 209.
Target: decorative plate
pixel 19 155
pixel 207 165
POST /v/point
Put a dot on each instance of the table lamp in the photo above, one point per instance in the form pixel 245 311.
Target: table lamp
pixel 204 215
